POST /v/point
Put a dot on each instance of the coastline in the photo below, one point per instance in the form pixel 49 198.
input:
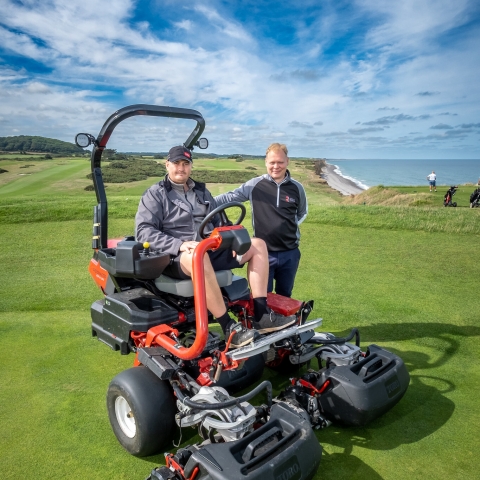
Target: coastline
pixel 339 183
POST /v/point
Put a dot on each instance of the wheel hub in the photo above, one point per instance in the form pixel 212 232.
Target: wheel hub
pixel 125 417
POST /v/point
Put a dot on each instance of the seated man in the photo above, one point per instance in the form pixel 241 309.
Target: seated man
pixel 168 217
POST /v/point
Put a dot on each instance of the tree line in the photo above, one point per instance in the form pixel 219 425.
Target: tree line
pixel 27 143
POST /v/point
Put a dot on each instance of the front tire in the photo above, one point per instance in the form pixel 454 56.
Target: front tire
pixel 141 409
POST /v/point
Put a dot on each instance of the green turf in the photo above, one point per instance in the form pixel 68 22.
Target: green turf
pixel 409 285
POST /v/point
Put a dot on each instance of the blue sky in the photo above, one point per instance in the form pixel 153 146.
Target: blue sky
pixel 334 79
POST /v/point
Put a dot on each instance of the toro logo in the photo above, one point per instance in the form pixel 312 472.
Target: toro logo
pixel 290 470
pixel 187 154
pixel 392 386
pixel 289 199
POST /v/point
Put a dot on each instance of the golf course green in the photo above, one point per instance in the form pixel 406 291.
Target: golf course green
pixel 406 274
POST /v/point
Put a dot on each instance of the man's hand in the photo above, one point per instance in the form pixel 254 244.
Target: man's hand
pixel 188 247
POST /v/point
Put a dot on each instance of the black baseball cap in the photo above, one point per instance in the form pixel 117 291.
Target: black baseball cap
pixel 179 153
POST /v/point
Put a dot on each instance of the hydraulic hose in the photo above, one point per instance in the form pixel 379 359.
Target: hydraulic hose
pixel 336 340
pixel 229 403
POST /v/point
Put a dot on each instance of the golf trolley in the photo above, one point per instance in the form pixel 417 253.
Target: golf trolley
pixel 447 199
pixel 475 198
pixel 185 375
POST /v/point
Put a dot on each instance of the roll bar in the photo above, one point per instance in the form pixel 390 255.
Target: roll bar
pixel 100 213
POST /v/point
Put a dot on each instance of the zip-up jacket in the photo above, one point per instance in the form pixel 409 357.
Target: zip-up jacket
pixel 165 220
pixel 277 209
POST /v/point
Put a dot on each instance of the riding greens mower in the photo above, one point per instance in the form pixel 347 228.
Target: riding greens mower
pixel 185 375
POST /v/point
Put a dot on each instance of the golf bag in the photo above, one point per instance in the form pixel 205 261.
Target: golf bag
pixel 447 199
pixel 475 198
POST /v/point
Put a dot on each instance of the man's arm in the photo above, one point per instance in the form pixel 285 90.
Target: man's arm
pixel 149 224
pixel 241 194
pixel 302 204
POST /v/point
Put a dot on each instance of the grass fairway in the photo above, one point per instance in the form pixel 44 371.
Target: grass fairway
pixel 407 277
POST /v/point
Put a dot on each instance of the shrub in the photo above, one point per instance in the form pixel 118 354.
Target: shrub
pixel 123 171
pixel 222 176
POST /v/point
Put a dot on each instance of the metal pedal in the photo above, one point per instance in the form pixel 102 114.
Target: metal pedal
pixel 263 344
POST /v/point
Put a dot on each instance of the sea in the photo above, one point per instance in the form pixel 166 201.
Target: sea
pixel 369 173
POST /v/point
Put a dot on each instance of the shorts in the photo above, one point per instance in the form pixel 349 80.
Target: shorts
pixel 432 183
pixel 221 260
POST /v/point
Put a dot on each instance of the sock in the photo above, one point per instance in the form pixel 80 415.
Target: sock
pixel 225 321
pixel 259 307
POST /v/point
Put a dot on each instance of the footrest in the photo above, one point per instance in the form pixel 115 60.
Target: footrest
pixel 263 344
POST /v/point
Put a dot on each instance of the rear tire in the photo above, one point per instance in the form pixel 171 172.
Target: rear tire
pixel 141 409
pixel 454 204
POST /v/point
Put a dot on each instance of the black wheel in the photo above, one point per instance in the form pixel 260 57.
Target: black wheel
pixel 224 221
pixel 141 409
pixel 235 380
pixel 454 204
pixel 285 366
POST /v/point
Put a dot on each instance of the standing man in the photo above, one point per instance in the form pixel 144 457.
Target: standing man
pixel 168 217
pixel 279 206
pixel 432 178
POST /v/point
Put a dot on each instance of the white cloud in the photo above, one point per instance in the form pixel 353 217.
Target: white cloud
pixel 226 27
pixel 184 25
pixel 37 87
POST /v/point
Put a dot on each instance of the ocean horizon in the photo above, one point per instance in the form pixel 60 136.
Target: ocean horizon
pixel 369 173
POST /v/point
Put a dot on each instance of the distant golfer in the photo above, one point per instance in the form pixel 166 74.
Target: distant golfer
pixel 432 179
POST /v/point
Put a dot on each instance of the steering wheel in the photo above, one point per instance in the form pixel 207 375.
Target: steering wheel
pixel 224 221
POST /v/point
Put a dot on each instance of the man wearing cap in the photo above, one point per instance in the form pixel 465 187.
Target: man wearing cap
pixel 168 217
pixel 279 206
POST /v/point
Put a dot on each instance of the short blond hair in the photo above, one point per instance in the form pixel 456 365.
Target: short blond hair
pixel 277 146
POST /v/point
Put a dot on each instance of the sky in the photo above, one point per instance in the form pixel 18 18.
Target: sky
pixel 375 79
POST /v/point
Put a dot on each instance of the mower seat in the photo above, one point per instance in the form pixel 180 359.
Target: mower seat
pixel 184 288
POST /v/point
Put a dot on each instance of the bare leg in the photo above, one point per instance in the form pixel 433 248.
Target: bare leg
pixel 215 301
pixel 257 269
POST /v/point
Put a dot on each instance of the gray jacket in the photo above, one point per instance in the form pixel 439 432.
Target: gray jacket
pixel 165 220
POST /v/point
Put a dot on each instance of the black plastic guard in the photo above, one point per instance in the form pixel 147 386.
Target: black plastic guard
pixel 284 448
pixel 366 390
pixel 128 260
pixel 114 317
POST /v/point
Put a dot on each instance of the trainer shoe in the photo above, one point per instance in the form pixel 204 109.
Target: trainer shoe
pixel 243 336
pixel 273 321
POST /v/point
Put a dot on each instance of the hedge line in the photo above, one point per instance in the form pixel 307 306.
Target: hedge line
pixel 123 171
